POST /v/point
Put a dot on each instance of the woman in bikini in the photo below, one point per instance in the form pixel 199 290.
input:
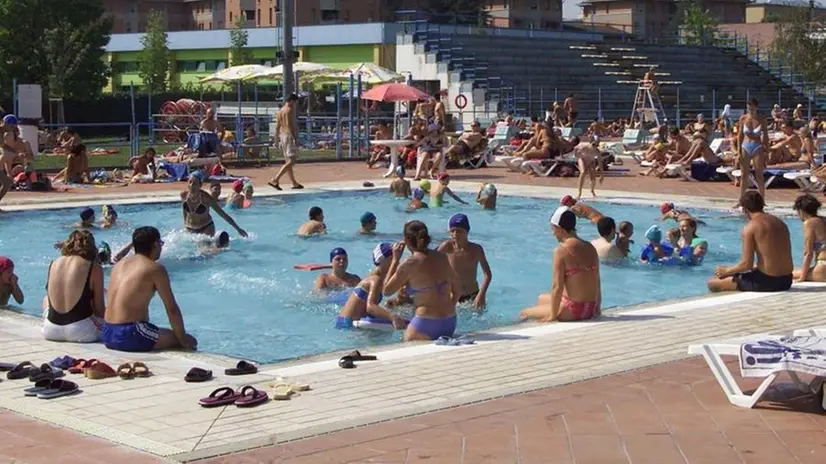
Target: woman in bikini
pixel 366 298
pixel 430 281
pixel 753 140
pixel 196 205
pixel 430 148
pixel 576 294
pixel 814 240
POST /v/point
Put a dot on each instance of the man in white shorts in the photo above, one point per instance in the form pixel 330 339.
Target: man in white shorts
pixel 286 126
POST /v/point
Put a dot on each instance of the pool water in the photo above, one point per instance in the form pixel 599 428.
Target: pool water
pixel 249 301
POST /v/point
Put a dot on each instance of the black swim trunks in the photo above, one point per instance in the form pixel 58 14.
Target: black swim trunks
pixel 757 281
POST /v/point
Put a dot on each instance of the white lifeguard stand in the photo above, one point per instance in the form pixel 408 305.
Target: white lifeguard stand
pixel 30 111
pixel 647 104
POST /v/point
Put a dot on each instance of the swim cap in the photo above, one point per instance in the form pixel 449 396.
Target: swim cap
pixel 654 234
pixel 248 186
pixel 223 240
pixel 6 264
pixel 433 127
pixel 86 214
pixel 564 218
pixel 10 119
pixel 338 252
pixel 400 170
pixel 444 176
pixel 104 253
pixel 567 200
pixel 109 211
pixel 382 252
pixel 425 185
pixel 238 185
pixel 488 190
pixel 197 175
pixel 459 221
pixel 418 194
pixel 367 218
pixel 666 207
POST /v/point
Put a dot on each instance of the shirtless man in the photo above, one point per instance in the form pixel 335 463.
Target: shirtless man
pixel 538 147
pixel 339 278
pixel 606 249
pixel 465 258
pixel 400 187
pixel 788 149
pixel 581 209
pixel 209 123
pixel 570 106
pixel 468 143
pixel 286 126
pixel 133 284
pixel 141 164
pixel 766 236
pixel 315 226
pixel 383 132
pixel 438 110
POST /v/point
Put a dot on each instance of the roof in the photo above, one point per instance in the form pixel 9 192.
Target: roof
pixel 797 3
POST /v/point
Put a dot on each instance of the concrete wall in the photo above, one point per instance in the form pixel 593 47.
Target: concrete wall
pixel 759 35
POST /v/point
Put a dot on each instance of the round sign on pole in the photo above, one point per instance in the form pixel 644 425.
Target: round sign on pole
pixel 460 101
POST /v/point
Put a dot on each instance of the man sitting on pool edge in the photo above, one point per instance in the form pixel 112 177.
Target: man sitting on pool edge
pixel 133 284
pixel 766 236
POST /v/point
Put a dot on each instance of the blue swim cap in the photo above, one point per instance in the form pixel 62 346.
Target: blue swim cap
pixel 10 119
pixel 338 252
pixel 87 213
pixel 367 218
pixel 381 252
pixel 654 233
pixel 459 221
pixel 197 175
pixel 418 194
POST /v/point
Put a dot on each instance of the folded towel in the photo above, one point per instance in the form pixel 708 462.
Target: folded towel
pixel 806 355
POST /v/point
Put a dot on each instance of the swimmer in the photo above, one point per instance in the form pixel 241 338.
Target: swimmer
pixel 9 286
pixel 606 249
pixel 235 200
pixel 104 256
pixel 674 237
pixel 339 278
pixel 487 196
pixel 626 231
pixel 110 216
pixel 368 224
pixel 214 246
pixel 315 226
pixel 87 219
pixel 669 211
pixel 196 205
pixel 581 209
pixel 655 250
pixel 465 258
pixel 400 187
pixel 214 190
pixel 248 192
pixel 690 241
pixel 416 202
pixel 441 188
pixel 367 294
pixel 425 186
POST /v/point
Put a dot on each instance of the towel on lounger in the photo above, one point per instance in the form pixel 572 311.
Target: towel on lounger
pixel 805 355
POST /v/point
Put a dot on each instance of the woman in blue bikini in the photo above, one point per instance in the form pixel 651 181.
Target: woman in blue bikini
pixel 430 282
pixel 364 302
pixel 753 139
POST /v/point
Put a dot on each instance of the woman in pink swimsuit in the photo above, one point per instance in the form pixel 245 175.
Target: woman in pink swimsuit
pixel 576 294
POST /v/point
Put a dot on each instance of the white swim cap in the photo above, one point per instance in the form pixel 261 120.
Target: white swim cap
pixel 489 190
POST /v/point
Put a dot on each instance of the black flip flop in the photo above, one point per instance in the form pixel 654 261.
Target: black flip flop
pixel 346 363
pixel 274 185
pixel 298 187
pixel 242 368
pixel 5 367
pixel 357 356
pixel 46 371
pixel 21 371
pixel 196 374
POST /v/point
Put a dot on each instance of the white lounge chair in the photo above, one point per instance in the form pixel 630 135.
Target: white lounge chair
pixel 770 175
pixel 713 352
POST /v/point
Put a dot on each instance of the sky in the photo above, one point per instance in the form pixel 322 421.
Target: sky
pixel 571 9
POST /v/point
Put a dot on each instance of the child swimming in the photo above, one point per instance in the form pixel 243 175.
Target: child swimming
pixel 486 196
pixel 438 191
pixel 626 231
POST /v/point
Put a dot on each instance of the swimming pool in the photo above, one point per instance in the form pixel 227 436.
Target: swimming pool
pixel 249 302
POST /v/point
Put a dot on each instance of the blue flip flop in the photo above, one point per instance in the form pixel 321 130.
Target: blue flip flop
pixel 57 389
pixel 64 362
pixel 39 386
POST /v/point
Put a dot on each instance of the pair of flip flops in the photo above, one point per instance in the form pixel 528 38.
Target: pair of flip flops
pixel 21 371
pixel 247 397
pixel 79 365
pixel 349 361
pixel 64 362
pixel 46 372
pixel 47 389
pixel 242 368
pixel 130 371
pixel 196 375
pixel 284 390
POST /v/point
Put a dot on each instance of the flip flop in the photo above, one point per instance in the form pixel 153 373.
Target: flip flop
pixel 196 374
pixel 294 384
pixel 125 371
pixel 21 371
pixel 99 371
pixel 46 371
pixel 274 185
pixel 57 389
pixel 242 368
pixel 221 397
pixel 346 363
pixel 357 356
pixel 39 386
pixel 64 362
pixel 298 187
pixel 5 367
pixel 80 365
pixel 251 397
pixel 141 370
pixel 282 391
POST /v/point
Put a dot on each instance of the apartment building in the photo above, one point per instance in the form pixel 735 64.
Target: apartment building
pixel 526 14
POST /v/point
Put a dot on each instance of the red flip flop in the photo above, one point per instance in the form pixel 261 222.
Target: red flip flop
pixel 223 396
pixel 80 364
pixel 251 397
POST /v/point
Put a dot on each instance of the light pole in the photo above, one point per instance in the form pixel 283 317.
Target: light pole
pixel 287 16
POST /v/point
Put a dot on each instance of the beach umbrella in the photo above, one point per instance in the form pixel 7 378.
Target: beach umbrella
pixel 234 73
pixel 394 93
pixel 371 73
pixel 275 73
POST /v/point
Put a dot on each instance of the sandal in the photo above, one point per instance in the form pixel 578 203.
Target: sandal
pixel 282 391
pixel 21 371
pixel 242 368
pixel 141 370
pixel 46 371
pixel 196 374
pixel 99 370
pixel 80 365
pixel 251 397
pixel 274 185
pixel 221 397
pixel 125 371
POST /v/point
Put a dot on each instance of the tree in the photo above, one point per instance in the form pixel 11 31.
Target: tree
pixel 58 45
pixel 153 61
pixel 472 12
pixel 798 49
pixel 699 26
pixel 238 38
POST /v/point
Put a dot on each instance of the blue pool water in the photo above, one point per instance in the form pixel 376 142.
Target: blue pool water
pixel 249 302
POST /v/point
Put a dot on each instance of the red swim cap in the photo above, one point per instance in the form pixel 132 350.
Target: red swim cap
pixel 568 201
pixel 666 207
pixel 237 186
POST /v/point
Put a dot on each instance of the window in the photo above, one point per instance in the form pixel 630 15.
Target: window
pixel 210 24
pixel 277 5
pixel 313 14
pixel 128 27
pixel 250 15
pixel 258 16
pixel 201 66
pixel 221 65
pixel 230 16
pixel 329 15
pixel 271 23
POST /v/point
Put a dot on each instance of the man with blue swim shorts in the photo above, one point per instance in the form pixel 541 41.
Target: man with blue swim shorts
pixel 133 284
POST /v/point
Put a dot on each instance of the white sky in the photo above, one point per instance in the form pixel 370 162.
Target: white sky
pixel 571 9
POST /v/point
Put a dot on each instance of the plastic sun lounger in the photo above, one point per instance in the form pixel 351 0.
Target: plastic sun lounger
pixel 801 178
pixel 204 161
pixel 770 174
pixel 713 352
pixel 679 170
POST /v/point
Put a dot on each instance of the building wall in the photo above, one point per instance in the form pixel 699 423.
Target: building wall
pixel 527 14
pixel 758 35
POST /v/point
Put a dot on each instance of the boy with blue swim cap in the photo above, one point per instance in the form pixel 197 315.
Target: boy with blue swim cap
pixel 339 278
pixel 656 250
pixel 465 258
pixel 368 224
pixel 418 201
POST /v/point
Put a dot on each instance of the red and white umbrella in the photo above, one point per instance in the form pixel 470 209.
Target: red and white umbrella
pixel 394 93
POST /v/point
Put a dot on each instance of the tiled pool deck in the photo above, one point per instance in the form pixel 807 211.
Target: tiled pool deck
pixel 670 413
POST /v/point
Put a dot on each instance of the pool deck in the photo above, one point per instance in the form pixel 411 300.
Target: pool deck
pixel 533 373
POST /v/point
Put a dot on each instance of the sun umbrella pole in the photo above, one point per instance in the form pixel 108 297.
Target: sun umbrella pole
pixel 255 93
pixel 361 129
pixel 350 117
pixel 338 120
pixel 238 132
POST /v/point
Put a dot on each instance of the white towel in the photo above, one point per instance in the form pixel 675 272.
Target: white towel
pixel 806 355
